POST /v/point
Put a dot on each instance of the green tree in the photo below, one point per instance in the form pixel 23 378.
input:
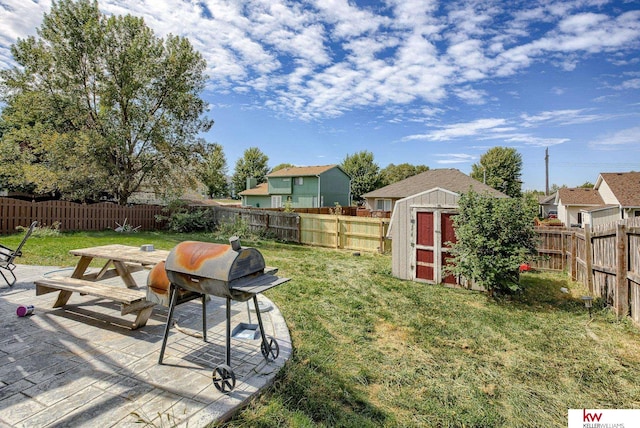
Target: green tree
pixel 494 236
pixel 554 187
pixel 394 173
pixel 364 173
pixel 99 105
pixel 253 164
pixel 281 166
pixel 213 171
pixel 500 168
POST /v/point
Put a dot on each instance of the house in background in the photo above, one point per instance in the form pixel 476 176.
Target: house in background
pixel 615 196
pixel 304 187
pixel 450 179
pixel 546 205
pixel 572 203
pixel 620 193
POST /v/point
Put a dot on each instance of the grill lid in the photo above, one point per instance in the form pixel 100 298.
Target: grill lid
pixel 214 261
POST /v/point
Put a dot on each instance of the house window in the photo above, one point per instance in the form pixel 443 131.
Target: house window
pixel 298 181
pixel 636 213
pixel 276 201
pixel 383 204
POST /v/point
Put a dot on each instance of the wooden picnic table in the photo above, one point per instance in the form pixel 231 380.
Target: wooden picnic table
pixel 125 260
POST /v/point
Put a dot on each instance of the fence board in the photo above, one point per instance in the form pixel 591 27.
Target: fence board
pixel 344 232
pixel 283 226
pixel 606 259
pixel 72 216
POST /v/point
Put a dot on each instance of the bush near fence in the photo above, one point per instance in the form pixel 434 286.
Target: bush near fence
pixel 606 260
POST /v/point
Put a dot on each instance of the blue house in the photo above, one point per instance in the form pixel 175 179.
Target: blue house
pixel 301 187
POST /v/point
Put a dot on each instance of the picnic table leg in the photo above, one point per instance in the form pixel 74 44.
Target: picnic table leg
pixel 81 267
pixel 124 273
pixel 63 298
pixel 142 318
pixel 103 270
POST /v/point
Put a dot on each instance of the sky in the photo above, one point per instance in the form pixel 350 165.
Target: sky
pixel 424 82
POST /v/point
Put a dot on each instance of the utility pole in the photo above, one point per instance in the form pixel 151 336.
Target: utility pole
pixel 546 164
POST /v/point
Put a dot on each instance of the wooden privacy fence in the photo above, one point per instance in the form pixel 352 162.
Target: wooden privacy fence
pixel 280 225
pixel 344 232
pixel 73 216
pixel 605 259
pixel 322 230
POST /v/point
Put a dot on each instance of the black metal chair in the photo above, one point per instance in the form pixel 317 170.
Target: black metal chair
pixel 7 256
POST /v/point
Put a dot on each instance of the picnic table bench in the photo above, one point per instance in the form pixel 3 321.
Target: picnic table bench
pixel 131 301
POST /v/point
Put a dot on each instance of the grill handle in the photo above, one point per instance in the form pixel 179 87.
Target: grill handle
pixel 235 243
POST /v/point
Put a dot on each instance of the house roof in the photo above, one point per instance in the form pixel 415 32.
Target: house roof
pixel 260 190
pixel 547 199
pixel 625 187
pixel 448 179
pixel 302 171
pixel 579 196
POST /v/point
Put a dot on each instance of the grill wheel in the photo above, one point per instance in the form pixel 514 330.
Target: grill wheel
pixel 270 349
pixel 223 378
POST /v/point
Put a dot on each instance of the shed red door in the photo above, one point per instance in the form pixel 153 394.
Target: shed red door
pixel 424 246
pixel 434 233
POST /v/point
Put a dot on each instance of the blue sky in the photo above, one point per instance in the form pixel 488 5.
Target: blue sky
pixel 417 81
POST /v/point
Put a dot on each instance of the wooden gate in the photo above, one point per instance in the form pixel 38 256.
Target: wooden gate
pixel 432 242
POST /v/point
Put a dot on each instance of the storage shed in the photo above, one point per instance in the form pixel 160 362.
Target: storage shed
pixel 421 232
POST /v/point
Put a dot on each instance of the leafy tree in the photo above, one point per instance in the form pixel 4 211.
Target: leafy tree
pixel 364 173
pixel 394 173
pixel 587 185
pixel 213 171
pixel 99 105
pixel 554 187
pixel 494 236
pixel 253 164
pixel 282 166
pixel 500 168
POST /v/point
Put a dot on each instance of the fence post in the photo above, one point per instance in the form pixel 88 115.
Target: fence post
pixel 337 232
pixel 574 256
pixel 621 299
pixel 588 256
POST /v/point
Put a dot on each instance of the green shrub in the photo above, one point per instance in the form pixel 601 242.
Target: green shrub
pixel 186 221
pixel 232 227
pixel 43 230
pixel 242 229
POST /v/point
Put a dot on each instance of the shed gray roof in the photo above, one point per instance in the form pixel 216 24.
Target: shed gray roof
pixel 449 179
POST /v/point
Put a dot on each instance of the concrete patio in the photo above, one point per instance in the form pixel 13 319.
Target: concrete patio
pixel 82 365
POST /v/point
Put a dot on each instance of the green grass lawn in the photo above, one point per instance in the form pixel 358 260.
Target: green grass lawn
pixel 372 350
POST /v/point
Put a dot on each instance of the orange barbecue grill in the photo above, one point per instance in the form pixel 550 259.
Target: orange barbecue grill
pixel 195 269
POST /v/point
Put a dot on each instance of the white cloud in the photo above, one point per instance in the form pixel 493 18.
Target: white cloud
pixel 454 158
pixel 622 139
pixel 470 95
pixel 530 140
pixel 322 58
pixel 562 117
pixel 628 84
pixel 458 130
